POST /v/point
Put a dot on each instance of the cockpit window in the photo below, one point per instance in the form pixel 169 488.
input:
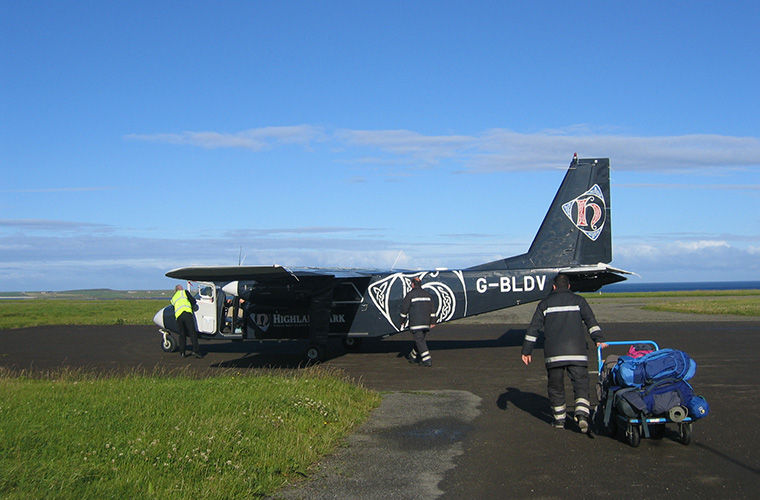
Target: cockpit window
pixel 202 291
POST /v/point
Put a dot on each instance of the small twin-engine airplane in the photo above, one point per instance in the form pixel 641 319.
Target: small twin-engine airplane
pixel 274 302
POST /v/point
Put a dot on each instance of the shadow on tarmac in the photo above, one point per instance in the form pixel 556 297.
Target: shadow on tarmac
pixel 288 354
pixel 529 402
pixel 725 457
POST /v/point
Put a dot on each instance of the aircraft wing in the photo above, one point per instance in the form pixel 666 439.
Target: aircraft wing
pixel 259 273
pixel 232 273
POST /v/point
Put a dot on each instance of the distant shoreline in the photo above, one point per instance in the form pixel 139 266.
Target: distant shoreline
pixel 629 286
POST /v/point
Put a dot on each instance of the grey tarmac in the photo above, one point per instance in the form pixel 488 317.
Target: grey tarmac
pixel 476 424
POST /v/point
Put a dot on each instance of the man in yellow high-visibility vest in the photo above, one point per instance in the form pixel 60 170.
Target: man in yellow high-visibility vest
pixel 183 304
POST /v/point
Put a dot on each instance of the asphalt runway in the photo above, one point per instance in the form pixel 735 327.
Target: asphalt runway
pixel 476 424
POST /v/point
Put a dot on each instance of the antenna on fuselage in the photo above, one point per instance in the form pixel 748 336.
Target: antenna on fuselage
pixel 400 252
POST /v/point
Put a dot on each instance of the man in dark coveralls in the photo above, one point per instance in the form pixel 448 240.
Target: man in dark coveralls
pixel 419 308
pixel 561 316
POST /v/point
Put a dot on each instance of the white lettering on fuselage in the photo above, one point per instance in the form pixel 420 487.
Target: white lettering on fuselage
pixel 507 284
pixel 302 319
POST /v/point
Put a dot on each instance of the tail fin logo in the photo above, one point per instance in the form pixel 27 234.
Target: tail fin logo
pixel 588 212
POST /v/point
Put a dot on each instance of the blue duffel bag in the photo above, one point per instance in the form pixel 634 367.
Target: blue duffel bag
pixel 657 365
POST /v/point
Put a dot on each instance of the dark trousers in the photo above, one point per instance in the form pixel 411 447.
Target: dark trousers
pixel 556 387
pixel 420 346
pixel 187 327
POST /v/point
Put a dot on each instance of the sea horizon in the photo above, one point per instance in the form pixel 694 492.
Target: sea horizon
pixel 676 286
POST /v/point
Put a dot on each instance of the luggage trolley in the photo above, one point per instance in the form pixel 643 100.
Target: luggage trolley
pixel 607 418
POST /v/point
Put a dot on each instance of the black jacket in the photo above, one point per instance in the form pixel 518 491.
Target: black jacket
pixel 419 307
pixel 561 316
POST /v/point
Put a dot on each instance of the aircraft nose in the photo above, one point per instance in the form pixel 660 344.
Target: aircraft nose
pixel 158 319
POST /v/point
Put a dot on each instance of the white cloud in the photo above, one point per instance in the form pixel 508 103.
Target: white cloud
pixel 645 250
pixel 50 225
pixel 97 259
pixel 686 260
pixel 495 149
pixel 258 139
pixel 696 246
pixel 409 144
pixel 691 187
pixel 59 190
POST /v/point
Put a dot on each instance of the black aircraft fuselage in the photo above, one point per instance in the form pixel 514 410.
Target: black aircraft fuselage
pixel 280 303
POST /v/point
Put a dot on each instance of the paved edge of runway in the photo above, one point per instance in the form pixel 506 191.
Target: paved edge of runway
pixel 389 456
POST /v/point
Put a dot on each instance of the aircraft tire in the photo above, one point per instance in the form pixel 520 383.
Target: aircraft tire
pixel 168 342
pixel 352 343
pixel 313 354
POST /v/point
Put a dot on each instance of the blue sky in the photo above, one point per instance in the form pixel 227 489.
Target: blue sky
pixel 136 137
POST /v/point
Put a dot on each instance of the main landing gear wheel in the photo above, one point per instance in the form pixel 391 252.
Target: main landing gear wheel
pixel 352 343
pixel 168 342
pixel 313 354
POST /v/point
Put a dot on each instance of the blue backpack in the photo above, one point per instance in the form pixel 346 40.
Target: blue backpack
pixel 657 365
pixel 654 399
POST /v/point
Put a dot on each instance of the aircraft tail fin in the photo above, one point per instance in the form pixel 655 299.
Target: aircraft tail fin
pixel 576 230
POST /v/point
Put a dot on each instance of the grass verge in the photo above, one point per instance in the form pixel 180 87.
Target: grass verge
pixel 683 293
pixel 74 435
pixel 40 312
pixel 715 302
pixel 736 306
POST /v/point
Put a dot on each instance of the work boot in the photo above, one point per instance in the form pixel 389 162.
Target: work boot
pixel 558 424
pixel 412 358
pixel 582 424
pixel 427 364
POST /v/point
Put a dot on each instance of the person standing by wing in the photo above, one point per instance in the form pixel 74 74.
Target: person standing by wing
pixel 418 308
pixel 184 303
pixel 561 316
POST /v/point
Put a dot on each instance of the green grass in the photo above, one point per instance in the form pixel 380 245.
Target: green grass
pixel 738 306
pixel 73 435
pixel 715 302
pixel 67 311
pixel 39 312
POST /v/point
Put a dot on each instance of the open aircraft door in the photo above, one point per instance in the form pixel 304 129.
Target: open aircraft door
pixel 210 300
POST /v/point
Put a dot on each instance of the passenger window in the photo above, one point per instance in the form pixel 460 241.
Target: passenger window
pixel 346 292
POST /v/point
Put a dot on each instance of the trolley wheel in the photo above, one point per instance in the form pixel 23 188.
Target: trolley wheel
pixel 633 435
pixel 352 343
pixel 168 342
pixel 684 433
